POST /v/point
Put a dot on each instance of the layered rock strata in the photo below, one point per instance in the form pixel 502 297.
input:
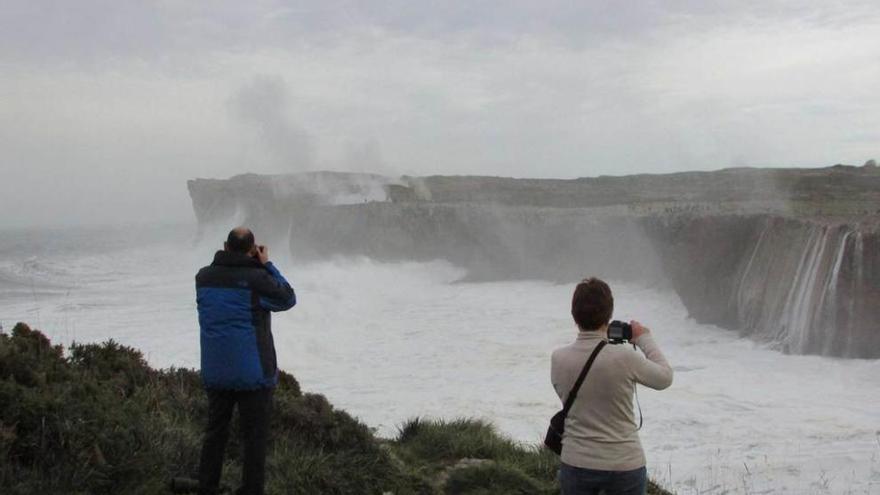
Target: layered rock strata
pixel 790 256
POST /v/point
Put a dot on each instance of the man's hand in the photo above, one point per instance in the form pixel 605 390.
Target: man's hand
pixel 262 254
pixel 638 329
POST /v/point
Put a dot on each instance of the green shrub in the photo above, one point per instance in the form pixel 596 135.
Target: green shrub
pixel 116 366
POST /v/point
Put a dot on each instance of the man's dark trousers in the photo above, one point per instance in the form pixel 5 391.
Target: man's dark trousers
pixel 254 411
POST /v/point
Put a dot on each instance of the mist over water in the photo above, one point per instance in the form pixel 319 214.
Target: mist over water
pixel 388 341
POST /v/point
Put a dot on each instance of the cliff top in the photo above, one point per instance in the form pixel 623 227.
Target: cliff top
pixel 831 193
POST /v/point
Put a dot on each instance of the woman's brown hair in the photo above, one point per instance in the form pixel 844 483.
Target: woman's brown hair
pixel 592 304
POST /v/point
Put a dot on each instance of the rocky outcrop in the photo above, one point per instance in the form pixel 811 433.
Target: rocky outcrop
pixel 810 287
pixel 785 255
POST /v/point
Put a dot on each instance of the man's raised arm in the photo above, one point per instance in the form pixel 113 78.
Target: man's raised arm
pixel 275 292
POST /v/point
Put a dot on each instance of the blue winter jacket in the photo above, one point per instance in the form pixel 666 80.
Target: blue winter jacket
pixel 235 295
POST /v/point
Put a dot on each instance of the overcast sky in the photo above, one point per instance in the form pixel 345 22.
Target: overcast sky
pixel 108 107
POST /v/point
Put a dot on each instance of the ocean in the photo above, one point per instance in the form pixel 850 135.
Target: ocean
pixel 390 341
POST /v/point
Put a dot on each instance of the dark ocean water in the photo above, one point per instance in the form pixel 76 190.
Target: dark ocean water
pixel 18 245
pixel 57 277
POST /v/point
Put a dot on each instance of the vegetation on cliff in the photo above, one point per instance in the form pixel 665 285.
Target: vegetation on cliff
pixel 98 419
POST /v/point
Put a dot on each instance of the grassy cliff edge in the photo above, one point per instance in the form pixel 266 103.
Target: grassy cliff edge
pixel 97 419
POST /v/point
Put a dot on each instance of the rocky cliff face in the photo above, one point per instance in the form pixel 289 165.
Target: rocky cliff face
pixel 787 256
pixel 811 287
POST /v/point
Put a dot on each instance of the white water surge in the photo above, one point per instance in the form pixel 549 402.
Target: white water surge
pixel 796 297
pixel 390 341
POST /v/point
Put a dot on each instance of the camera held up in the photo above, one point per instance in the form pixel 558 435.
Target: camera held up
pixel 619 332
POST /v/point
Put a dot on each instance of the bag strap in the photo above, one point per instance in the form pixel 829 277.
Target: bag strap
pixel 569 401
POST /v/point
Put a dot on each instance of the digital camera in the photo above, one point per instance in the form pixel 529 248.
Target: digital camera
pixel 619 332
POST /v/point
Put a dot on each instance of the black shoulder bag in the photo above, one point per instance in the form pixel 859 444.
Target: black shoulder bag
pixel 553 440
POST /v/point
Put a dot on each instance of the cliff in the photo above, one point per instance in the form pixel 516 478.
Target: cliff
pixel 808 286
pixel 98 420
pixel 788 256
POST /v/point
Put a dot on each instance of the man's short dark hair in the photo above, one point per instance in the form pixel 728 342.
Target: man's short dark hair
pixel 592 304
pixel 240 240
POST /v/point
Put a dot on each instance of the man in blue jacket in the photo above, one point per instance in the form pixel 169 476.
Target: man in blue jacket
pixel 235 295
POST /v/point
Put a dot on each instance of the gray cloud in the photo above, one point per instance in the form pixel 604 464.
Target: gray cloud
pixel 110 106
pixel 93 30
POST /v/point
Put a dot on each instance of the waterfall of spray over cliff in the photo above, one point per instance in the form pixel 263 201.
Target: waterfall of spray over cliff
pixel 790 257
pixel 804 285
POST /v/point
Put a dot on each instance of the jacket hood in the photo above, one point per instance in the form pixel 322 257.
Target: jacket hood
pixel 226 258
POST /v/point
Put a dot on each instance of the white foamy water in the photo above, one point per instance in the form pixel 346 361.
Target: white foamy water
pixel 391 341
